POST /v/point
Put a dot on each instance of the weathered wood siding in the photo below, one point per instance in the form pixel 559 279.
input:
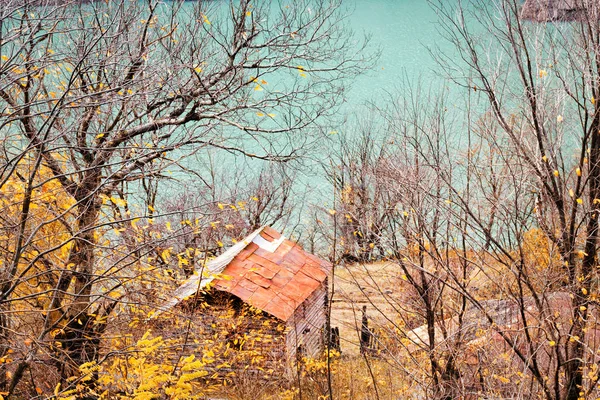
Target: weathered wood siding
pixel 306 326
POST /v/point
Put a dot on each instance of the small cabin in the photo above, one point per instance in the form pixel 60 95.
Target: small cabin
pixel 558 10
pixel 265 296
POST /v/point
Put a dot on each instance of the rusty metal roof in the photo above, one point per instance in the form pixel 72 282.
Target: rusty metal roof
pixel 277 281
pixel 265 270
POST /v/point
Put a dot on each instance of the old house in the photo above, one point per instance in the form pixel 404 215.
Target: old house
pixel 559 10
pixel 264 297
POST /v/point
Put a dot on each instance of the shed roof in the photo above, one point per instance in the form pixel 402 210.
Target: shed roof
pixel 557 10
pixel 265 270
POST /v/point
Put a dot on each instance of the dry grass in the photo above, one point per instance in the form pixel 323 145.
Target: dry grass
pixel 379 286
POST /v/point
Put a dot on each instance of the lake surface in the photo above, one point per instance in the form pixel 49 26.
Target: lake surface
pixel 403 31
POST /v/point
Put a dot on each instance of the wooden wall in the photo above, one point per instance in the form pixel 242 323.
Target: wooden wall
pixel 244 342
pixel 250 343
pixel 306 326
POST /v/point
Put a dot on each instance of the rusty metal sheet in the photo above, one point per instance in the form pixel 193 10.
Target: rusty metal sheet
pixel 313 271
pixel 251 248
pixel 261 297
pixel 323 263
pixel 259 280
pixel 275 282
pixel 264 262
pixel 281 307
pixel 264 272
pixel 242 293
pixel 282 278
pixel 295 258
pixel 275 257
pixel 248 284
pixel 271 232
pixel 299 289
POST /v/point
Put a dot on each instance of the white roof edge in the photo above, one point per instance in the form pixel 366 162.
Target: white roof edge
pixel 210 269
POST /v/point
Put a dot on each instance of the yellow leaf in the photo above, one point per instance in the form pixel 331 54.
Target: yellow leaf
pixel 552 343
pixel 271 115
pixel 198 69
pixel 219 243
pixel 578 171
pixel 220 206
pixel 332 212
pixel 4 58
pixel 151 208
pixel 260 114
pixel 118 201
pixel 584 291
pixel 559 118
pixel 248 13
pixel 556 173
pixel 258 88
pixel 571 193
pixel 579 201
pixel 543 73
pixel 168 225
pixel 582 308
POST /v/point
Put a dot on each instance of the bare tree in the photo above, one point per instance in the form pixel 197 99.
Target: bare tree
pixel 541 83
pixel 95 96
pixel 500 241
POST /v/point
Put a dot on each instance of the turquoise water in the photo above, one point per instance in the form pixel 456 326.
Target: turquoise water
pixel 403 30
